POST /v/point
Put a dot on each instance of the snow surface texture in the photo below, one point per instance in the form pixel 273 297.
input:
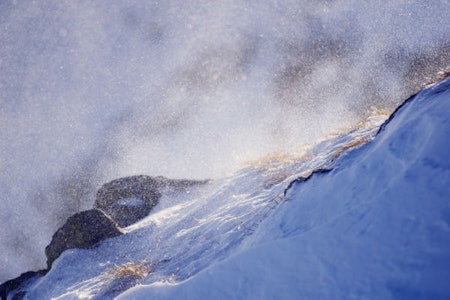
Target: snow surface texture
pixel 96 90
pixel 376 227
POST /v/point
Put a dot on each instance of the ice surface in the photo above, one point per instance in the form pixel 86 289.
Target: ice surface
pixel 90 92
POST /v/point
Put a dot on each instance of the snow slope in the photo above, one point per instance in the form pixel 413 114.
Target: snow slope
pixel 376 227
pixel 91 91
pixel 373 224
pixel 187 233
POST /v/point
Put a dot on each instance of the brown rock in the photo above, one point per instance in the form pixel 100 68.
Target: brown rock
pixel 82 230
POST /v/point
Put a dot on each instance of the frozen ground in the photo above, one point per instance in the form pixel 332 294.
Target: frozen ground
pixel 375 225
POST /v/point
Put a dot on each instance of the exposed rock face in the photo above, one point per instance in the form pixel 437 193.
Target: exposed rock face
pixel 82 230
pixel 129 199
pixel 119 203
pixel 14 287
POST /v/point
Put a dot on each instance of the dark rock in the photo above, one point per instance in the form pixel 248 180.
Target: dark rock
pixel 130 199
pixel 15 287
pixel 82 230
pixel 19 296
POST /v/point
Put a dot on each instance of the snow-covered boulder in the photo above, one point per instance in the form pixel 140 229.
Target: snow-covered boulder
pixel 82 230
pixel 129 199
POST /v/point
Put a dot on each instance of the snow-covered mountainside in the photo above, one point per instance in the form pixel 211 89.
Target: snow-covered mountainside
pixel 92 91
pixel 377 226
pixel 350 218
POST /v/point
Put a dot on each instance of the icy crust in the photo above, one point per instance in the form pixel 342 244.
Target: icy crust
pixel 376 227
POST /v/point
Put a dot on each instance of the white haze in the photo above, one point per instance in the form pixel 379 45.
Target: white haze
pixel 94 91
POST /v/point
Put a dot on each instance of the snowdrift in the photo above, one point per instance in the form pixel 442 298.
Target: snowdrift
pixel 351 218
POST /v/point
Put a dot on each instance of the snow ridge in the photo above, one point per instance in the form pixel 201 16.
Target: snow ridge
pixel 375 227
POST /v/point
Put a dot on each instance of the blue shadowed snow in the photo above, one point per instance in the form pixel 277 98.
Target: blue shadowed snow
pixel 376 227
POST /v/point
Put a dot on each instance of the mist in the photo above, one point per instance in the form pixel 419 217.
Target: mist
pixel 90 92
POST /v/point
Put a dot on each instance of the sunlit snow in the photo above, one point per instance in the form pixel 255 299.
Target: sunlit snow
pixel 188 232
pixel 373 223
pixel 94 91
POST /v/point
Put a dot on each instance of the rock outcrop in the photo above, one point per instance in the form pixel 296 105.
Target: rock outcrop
pixel 14 288
pixel 119 203
pixel 129 199
pixel 82 230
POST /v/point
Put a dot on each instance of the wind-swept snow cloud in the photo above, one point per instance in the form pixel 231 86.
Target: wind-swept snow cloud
pixel 94 91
